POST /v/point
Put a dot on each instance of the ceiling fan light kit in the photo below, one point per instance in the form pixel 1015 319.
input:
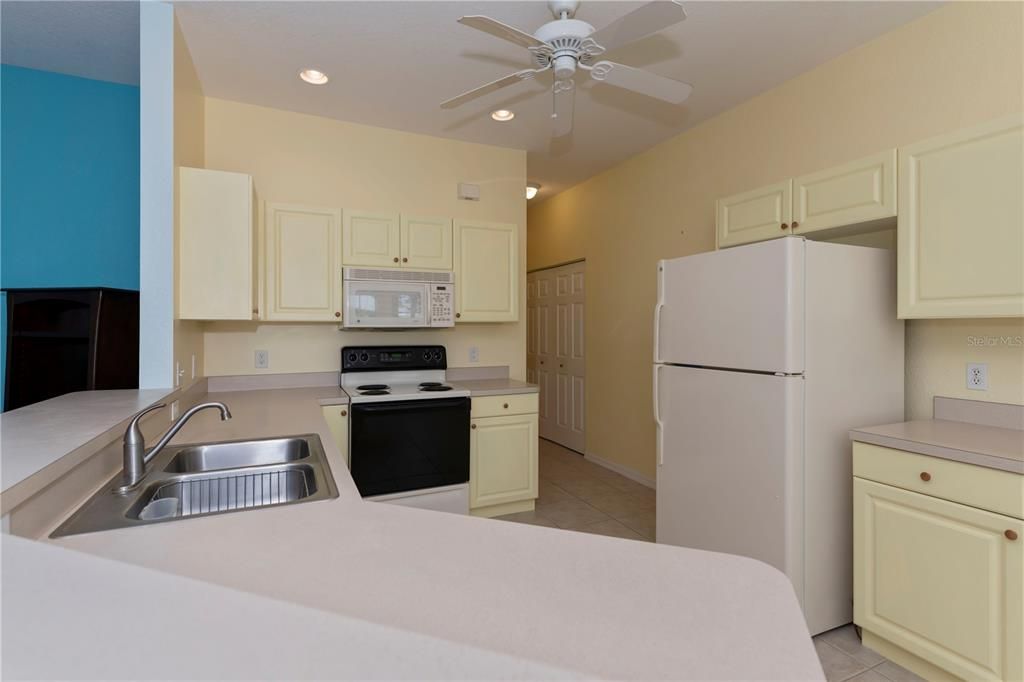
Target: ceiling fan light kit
pixel 567 45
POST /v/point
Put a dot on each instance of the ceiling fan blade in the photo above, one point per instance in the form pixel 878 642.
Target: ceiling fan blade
pixel 503 31
pixel 503 82
pixel 565 96
pixel 644 82
pixel 639 23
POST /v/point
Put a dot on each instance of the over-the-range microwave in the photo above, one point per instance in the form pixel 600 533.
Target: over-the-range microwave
pixel 379 299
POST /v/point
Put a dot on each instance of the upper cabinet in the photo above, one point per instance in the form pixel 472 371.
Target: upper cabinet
pixel 858 193
pixel 960 239
pixel 852 194
pixel 371 239
pixel 756 215
pixel 303 266
pixel 426 243
pixel 486 272
pixel 217 273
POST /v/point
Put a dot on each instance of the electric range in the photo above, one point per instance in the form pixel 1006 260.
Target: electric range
pixel 408 429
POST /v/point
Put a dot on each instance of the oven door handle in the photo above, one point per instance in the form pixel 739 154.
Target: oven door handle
pixel 406 405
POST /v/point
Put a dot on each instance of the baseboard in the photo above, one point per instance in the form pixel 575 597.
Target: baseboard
pixel 623 470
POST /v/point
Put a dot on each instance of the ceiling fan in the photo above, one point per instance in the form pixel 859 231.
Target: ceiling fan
pixel 566 45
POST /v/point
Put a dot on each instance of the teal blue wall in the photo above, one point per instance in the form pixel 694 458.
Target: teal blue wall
pixel 69 182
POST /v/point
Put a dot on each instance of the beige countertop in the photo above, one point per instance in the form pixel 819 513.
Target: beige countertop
pixel 484 387
pixel 987 446
pixel 592 605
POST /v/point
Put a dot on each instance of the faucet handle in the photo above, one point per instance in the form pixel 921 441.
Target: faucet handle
pixel 133 425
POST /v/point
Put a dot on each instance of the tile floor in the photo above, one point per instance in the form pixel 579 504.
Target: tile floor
pixel 579 495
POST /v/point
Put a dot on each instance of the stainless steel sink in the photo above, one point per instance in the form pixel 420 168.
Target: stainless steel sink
pixel 232 455
pixel 211 478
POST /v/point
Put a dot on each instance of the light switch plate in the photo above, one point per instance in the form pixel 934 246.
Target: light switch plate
pixel 977 376
pixel 474 354
pixel 262 359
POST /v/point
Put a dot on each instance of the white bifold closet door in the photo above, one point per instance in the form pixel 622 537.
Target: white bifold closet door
pixel 555 308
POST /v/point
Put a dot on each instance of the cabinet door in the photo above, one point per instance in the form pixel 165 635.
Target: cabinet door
pixel 371 239
pixel 502 460
pixel 943 581
pixel 303 269
pixel 763 213
pixel 859 192
pixel 486 272
pixel 960 239
pixel 216 245
pixel 336 417
pixel 426 243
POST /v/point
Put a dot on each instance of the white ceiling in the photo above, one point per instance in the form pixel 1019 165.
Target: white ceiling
pixel 392 63
pixel 81 38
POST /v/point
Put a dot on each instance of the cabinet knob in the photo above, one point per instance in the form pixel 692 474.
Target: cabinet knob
pixel 561 365
pixel 255 311
pixel 925 476
pixel 795 224
pixel 785 226
pixel 472 426
pixel 458 314
pixel 344 413
pixel 505 406
pixel 396 259
pixel 542 362
pixel 337 314
pixel 1010 534
pixel 405 260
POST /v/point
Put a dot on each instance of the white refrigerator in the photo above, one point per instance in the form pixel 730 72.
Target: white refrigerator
pixel 765 356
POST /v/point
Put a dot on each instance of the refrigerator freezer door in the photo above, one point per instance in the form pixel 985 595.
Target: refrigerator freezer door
pixel 730 477
pixel 739 308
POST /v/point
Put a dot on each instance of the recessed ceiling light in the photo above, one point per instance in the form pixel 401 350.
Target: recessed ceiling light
pixel 313 77
pixel 502 115
pixel 531 190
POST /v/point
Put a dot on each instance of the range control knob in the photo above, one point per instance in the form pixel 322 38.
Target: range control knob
pixel 426 356
pixel 351 357
pixel 364 357
pixel 437 356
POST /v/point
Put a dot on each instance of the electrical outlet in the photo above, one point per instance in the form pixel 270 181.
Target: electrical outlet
pixel 262 359
pixel 178 373
pixel 474 354
pixel 174 410
pixel 193 365
pixel 977 376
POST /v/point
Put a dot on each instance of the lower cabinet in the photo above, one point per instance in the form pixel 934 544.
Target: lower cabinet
pixel 336 417
pixel 938 585
pixel 503 462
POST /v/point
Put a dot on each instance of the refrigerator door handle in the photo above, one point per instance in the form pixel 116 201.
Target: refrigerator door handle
pixel 657 311
pixel 659 426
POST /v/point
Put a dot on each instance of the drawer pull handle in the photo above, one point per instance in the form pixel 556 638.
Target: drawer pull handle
pixel 1010 534
pixel 925 476
pixel 344 413
pixel 505 406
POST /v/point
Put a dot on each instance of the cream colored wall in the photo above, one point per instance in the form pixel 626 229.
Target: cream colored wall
pixel 301 159
pixel 188 151
pixel 957 66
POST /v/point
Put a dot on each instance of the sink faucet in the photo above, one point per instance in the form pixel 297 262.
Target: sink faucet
pixel 136 457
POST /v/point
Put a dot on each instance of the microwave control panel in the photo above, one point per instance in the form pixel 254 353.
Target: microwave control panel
pixel 442 305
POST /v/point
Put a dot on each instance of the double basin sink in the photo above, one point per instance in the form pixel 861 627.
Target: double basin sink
pixel 214 478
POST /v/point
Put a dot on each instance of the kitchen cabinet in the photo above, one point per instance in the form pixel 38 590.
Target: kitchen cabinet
pixel 939 583
pixel 861 194
pixel 960 238
pixel 303 267
pixel 336 417
pixel 217 246
pixel 763 213
pixel 486 271
pixel 503 454
pixel 371 239
pixel 426 243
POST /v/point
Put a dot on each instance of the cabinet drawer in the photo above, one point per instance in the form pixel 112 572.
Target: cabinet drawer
pixel 499 405
pixel 997 491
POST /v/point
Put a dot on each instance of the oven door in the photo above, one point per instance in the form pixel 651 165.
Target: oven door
pixel 409 444
pixel 386 304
